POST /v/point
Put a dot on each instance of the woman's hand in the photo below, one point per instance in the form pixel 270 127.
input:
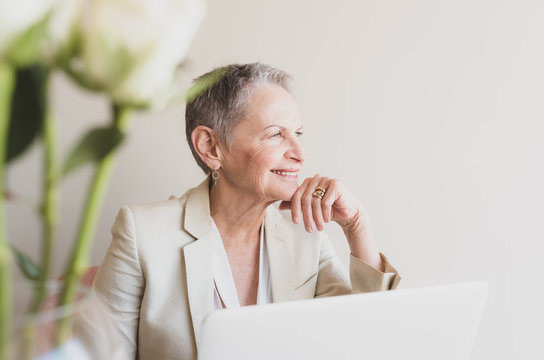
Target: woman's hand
pixel 338 205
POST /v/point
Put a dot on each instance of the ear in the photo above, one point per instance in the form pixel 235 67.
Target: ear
pixel 207 146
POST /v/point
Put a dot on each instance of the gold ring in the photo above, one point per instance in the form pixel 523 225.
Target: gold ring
pixel 319 193
pixel 321 188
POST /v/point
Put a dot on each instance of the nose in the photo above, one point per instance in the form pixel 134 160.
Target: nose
pixel 296 151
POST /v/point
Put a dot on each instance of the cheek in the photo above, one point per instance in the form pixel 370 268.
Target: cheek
pixel 258 166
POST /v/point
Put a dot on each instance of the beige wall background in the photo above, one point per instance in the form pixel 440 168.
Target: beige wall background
pixel 430 111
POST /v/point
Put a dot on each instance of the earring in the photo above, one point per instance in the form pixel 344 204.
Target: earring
pixel 215 176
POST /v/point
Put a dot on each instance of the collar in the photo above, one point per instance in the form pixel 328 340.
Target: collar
pixel 197 256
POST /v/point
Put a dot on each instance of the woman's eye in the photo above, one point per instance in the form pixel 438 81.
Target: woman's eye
pixel 299 133
pixel 276 134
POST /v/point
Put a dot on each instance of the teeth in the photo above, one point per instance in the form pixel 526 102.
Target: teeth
pixel 284 173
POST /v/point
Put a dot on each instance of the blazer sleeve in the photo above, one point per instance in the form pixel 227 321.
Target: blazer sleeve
pixel 119 281
pixel 333 279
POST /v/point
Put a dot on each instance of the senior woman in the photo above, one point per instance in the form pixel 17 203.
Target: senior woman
pixel 223 244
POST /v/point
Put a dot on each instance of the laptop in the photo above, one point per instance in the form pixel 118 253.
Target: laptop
pixel 437 322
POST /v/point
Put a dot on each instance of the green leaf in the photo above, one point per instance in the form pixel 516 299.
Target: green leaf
pixel 26 48
pixel 203 83
pixel 26 265
pixel 27 110
pixel 94 146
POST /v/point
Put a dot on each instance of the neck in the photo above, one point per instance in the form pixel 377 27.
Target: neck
pixel 237 214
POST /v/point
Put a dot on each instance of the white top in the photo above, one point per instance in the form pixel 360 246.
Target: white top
pixel 222 274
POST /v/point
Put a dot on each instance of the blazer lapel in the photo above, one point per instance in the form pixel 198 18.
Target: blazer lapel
pixel 198 268
pixel 280 257
pixel 198 256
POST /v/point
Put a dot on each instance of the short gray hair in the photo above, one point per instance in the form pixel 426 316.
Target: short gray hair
pixel 218 99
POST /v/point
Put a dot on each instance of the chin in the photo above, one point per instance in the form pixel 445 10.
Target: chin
pixel 285 194
pixel 280 191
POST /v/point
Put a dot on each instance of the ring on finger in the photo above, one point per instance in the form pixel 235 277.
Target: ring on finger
pixel 321 188
pixel 319 192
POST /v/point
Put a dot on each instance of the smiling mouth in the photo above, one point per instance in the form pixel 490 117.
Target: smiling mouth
pixel 285 173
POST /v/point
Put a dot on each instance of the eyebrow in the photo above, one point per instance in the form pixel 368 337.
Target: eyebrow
pixel 281 127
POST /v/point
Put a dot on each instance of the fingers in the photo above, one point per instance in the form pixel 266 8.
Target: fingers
pixel 336 205
pixel 305 206
pixel 306 203
pixel 285 205
pixel 317 214
pixel 326 206
pixel 296 208
pixel 328 200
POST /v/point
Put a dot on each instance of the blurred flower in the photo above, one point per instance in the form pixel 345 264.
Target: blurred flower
pixel 131 49
pixel 21 23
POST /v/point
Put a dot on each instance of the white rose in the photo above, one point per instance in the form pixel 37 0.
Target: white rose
pixel 63 30
pixel 16 18
pixel 129 48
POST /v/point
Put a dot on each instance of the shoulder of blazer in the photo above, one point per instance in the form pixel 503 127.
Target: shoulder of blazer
pixel 156 211
pixel 172 207
pixel 160 219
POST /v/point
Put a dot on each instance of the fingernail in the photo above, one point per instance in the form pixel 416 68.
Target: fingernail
pixel 296 220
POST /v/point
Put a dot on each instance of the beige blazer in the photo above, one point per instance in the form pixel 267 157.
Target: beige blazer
pixel 157 273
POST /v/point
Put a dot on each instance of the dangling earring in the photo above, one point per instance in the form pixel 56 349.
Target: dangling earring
pixel 215 176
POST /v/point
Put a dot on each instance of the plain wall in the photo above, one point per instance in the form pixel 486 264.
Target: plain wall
pixel 430 111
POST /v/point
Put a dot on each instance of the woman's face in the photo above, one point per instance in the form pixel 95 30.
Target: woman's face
pixel 265 155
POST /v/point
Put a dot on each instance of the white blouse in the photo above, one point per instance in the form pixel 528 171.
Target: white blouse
pixel 225 288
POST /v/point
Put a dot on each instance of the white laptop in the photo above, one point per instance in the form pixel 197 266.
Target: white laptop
pixel 424 323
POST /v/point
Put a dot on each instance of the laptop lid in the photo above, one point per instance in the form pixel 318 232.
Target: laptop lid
pixel 437 322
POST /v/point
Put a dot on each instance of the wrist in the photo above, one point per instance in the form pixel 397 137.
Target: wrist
pixel 353 226
pixel 360 237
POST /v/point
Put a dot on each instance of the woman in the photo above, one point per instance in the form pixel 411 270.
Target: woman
pixel 222 244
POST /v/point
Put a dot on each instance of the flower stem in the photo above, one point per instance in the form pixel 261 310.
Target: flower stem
pixel 7 84
pixel 50 199
pixel 49 217
pixel 79 259
pixel 49 208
